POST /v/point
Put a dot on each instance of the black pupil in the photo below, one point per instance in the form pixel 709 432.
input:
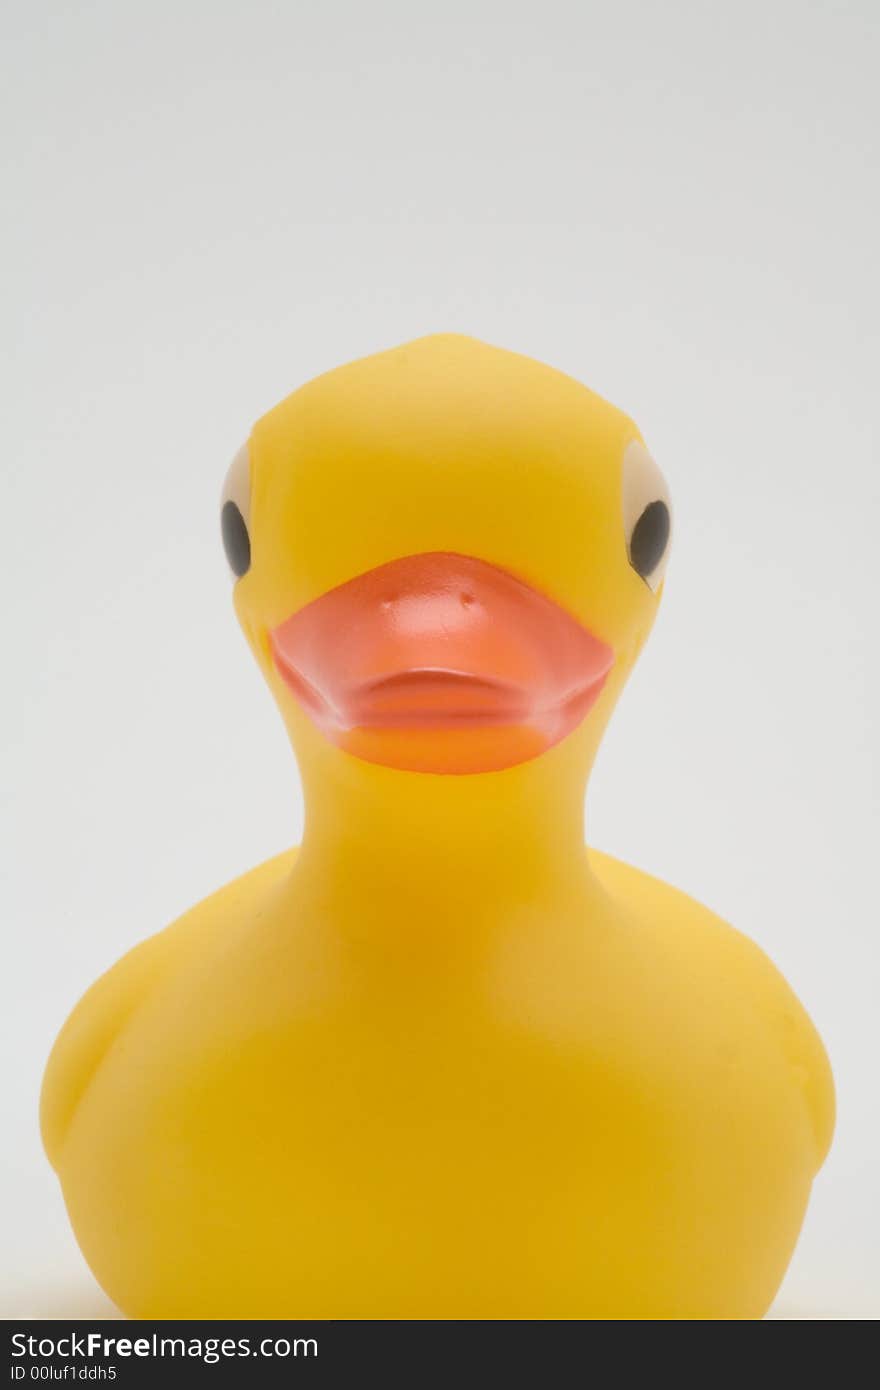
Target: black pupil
pixel 236 541
pixel 649 538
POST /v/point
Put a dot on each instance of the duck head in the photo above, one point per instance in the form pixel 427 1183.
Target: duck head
pixel 447 557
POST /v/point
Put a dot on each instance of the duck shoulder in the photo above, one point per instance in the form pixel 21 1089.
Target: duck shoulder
pixel 104 1010
pixel 685 922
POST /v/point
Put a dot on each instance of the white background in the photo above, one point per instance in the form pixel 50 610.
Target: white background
pixel 207 204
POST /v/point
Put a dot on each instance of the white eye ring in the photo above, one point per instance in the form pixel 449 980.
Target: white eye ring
pixel 235 513
pixel 647 515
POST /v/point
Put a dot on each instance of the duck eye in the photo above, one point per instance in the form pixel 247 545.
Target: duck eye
pixel 647 544
pixel 647 517
pixel 235 512
pixel 236 541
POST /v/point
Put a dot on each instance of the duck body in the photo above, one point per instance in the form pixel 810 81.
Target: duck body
pixel 441 1061
pixel 536 1123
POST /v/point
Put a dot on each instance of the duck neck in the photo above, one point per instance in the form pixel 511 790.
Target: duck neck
pixel 448 841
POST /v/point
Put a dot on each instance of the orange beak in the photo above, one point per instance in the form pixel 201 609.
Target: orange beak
pixel 440 663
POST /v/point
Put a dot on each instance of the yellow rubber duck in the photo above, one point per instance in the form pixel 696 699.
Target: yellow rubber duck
pixel 442 1061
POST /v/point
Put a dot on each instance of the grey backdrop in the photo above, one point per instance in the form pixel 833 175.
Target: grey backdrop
pixel 206 204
